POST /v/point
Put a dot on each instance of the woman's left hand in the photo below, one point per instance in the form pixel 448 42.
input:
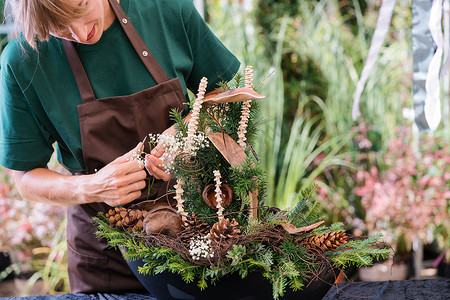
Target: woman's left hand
pixel 153 162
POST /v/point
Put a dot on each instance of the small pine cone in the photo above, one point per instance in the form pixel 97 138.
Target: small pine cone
pixel 132 219
pixel 115 216
pixel 194 227
pixel 325 242
pixel 139 226
pixel 197 223
pixel 224 229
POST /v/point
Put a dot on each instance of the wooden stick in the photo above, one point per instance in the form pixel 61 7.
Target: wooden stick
pixel 253 204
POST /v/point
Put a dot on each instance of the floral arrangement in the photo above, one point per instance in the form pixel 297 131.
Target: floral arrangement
pixel 214 221
pixel 406 193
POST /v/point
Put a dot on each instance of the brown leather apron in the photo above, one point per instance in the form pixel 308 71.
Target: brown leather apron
pixel 110 127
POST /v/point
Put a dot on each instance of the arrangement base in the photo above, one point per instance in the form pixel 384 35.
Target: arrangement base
pixel 169 286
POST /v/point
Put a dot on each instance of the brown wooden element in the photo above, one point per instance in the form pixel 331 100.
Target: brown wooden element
pixel 302 230
pixel 163 220
pixel 235 95
pixel 235 155
pixel 209 195
pixel 253 195
pixel 231 151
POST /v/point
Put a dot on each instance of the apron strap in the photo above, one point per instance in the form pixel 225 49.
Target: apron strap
pixel 84 86
pixel 145 55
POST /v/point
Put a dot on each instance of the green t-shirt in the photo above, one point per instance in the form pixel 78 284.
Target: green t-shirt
pixel 39 96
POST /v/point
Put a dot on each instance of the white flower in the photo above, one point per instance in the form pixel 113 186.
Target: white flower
pixel 174 145
pixel 200 247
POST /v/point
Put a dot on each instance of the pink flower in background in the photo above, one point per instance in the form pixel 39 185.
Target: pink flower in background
pixel 365 144
pixel 322 192
pixel 447 176
pixel 26 225
pixel 410 193
pixel 446 195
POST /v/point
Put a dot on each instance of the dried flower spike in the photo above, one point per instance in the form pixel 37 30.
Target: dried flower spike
pixel 217 178
pixel 193 122
pixel 178 196
pixel 249 76
pixel 242 130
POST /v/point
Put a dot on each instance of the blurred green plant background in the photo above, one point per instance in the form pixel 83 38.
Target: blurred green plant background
pixel 307 57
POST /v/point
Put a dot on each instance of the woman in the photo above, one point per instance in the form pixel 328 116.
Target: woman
pixel 94 77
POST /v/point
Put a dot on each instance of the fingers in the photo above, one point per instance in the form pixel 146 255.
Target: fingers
pixel 125 189
pixel 125 199
pixel 155 167
pixel 133 177
pixel 160 148
pixel 130 162
pixel 133 153
pixel 158 151
pixel 132 166
pixel 116 169
pixel 134 188
pixel 123 179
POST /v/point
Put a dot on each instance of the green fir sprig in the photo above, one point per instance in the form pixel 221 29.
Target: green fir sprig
pixel 180 124
pixel 360 253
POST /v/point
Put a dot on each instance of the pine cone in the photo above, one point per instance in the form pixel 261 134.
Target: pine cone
pixel 114 217
pixel 131 219
pixel 194 227
pixel 325 242
pixel 224 229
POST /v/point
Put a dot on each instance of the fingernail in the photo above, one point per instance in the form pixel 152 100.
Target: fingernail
pixel 140 147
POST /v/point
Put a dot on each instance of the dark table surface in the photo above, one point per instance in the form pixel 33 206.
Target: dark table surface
pixel 429 289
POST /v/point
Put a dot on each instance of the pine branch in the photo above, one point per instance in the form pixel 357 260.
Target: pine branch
pixel 332 228
pixel 359 252
pixel 264 256
pixel 296 283
pixel 114 236
pixel 180 124
pixel 305 212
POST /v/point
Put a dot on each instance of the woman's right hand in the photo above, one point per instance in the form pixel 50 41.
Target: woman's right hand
pixel 117 183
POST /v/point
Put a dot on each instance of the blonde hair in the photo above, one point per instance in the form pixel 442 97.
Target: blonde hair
pixel 37 18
